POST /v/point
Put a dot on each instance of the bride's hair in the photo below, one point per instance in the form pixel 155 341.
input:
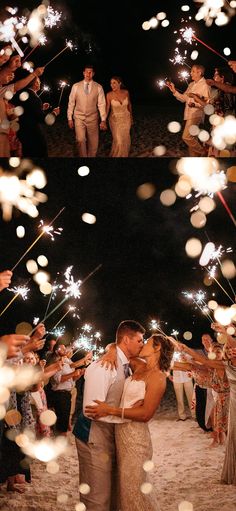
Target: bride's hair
pixel 166 351
pixel 119 80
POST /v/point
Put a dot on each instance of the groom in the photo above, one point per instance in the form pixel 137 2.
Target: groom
pixel 87 103
pixel 95 440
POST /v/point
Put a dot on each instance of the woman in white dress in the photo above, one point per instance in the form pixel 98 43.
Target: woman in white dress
pixel 142 395
pixel 119 113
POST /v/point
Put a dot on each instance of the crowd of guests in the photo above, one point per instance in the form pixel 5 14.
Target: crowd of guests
pixel 127 385
pixel 218 92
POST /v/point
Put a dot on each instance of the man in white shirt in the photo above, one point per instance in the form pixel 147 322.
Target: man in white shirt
pixel 193 112
pixel 95 440
pixel 86 103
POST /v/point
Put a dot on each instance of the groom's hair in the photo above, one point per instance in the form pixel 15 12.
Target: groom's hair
pixel 128 327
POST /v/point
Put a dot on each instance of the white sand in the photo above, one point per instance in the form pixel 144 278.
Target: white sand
pixel 185 469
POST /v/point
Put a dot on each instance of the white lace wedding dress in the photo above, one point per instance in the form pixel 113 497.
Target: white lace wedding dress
pixel 134 447
pixel 120 124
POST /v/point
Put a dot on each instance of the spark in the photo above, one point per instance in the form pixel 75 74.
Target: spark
pixel 187 34
pixel 42 40
pixel 73 287
pixel 20 290
pixel 184 75
pixel 35 321
pixel 70 45
pixel 52 18
pixel 87 327
pixel 58 332
pixel 19 193
pixel 50 230
pixel 154 325
pixel 161 84
pixel 178 58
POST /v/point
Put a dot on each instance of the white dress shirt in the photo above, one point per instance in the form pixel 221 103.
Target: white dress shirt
pixel 202 89
pixel 98 381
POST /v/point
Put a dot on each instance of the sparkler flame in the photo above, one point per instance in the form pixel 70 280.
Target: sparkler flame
pixel 20 290
pixel 73 287
pixel 53 17
pixel 187 34
pixel 50 230
pixel 178 58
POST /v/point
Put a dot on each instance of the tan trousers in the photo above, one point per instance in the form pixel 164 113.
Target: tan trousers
pixel 180 388
pixel 73 402
pixel 4 146
pixel 97 468
pixel 194 146
pixel 87 137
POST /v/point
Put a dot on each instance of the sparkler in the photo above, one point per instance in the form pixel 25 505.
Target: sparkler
pixel 46 229
pixel 184 75
pixel 41 42
pixel 69 45
pixel 52 18
pixel 49 229
pixel 188 35
pixel 72 290
pixel 70 309
pixel 198 300
pixel 62 86
pixel 51 297
pixel 45 88
pixel 218 283
pixel 179 59
pixel 7 33
pixel 18 291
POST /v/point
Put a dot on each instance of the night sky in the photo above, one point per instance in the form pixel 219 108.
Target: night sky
pixel 140 244
pixel 111 37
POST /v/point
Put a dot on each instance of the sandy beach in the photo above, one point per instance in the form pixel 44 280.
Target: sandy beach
pixel 149 130
pixel 186 469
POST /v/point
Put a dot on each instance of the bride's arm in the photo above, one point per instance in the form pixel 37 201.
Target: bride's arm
pixel 154 392
pixel 130 107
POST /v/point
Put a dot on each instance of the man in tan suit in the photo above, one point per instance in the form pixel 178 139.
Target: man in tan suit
pixel 86 103
pixel 194 111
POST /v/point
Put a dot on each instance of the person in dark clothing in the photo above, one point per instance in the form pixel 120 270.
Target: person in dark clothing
pixel 31 133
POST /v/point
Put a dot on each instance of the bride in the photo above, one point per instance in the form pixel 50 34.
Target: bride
pixel 142 395
pixel 120 118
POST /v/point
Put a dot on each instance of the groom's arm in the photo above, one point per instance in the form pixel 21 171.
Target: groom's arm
pixel 101 104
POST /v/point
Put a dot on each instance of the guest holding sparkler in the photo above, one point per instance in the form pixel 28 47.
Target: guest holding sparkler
pixel 211 374
pixel 86 104
pixel 62 384
pixel 31 132
pixel 120 119
pixel 223 102
pixel 193 112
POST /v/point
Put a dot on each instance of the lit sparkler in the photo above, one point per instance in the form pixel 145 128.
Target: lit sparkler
pixel 18 291
pixel 73 287
pixel 19 193
pixel 184 75
pixel 199 300
pixel 179 59
pixel 52 18
pixel 49 229
pixel 71 290
pixel 44 230
pixel 8 32
pixel 41 42
pixel 45 88
pixel 35 320
pixel 161 83
pixel 62 86
pixel 188 35
pixel 69 46
pixel 212 10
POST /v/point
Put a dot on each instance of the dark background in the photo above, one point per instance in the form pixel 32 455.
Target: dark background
pixel 139 243
pixel 111 37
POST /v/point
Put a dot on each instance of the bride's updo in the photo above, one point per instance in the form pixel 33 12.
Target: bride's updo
pixel 119 80
pixel 166 351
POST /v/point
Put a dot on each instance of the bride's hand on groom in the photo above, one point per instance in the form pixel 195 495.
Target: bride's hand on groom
pixel 103 126
pixel 109 359
pixel 101 409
